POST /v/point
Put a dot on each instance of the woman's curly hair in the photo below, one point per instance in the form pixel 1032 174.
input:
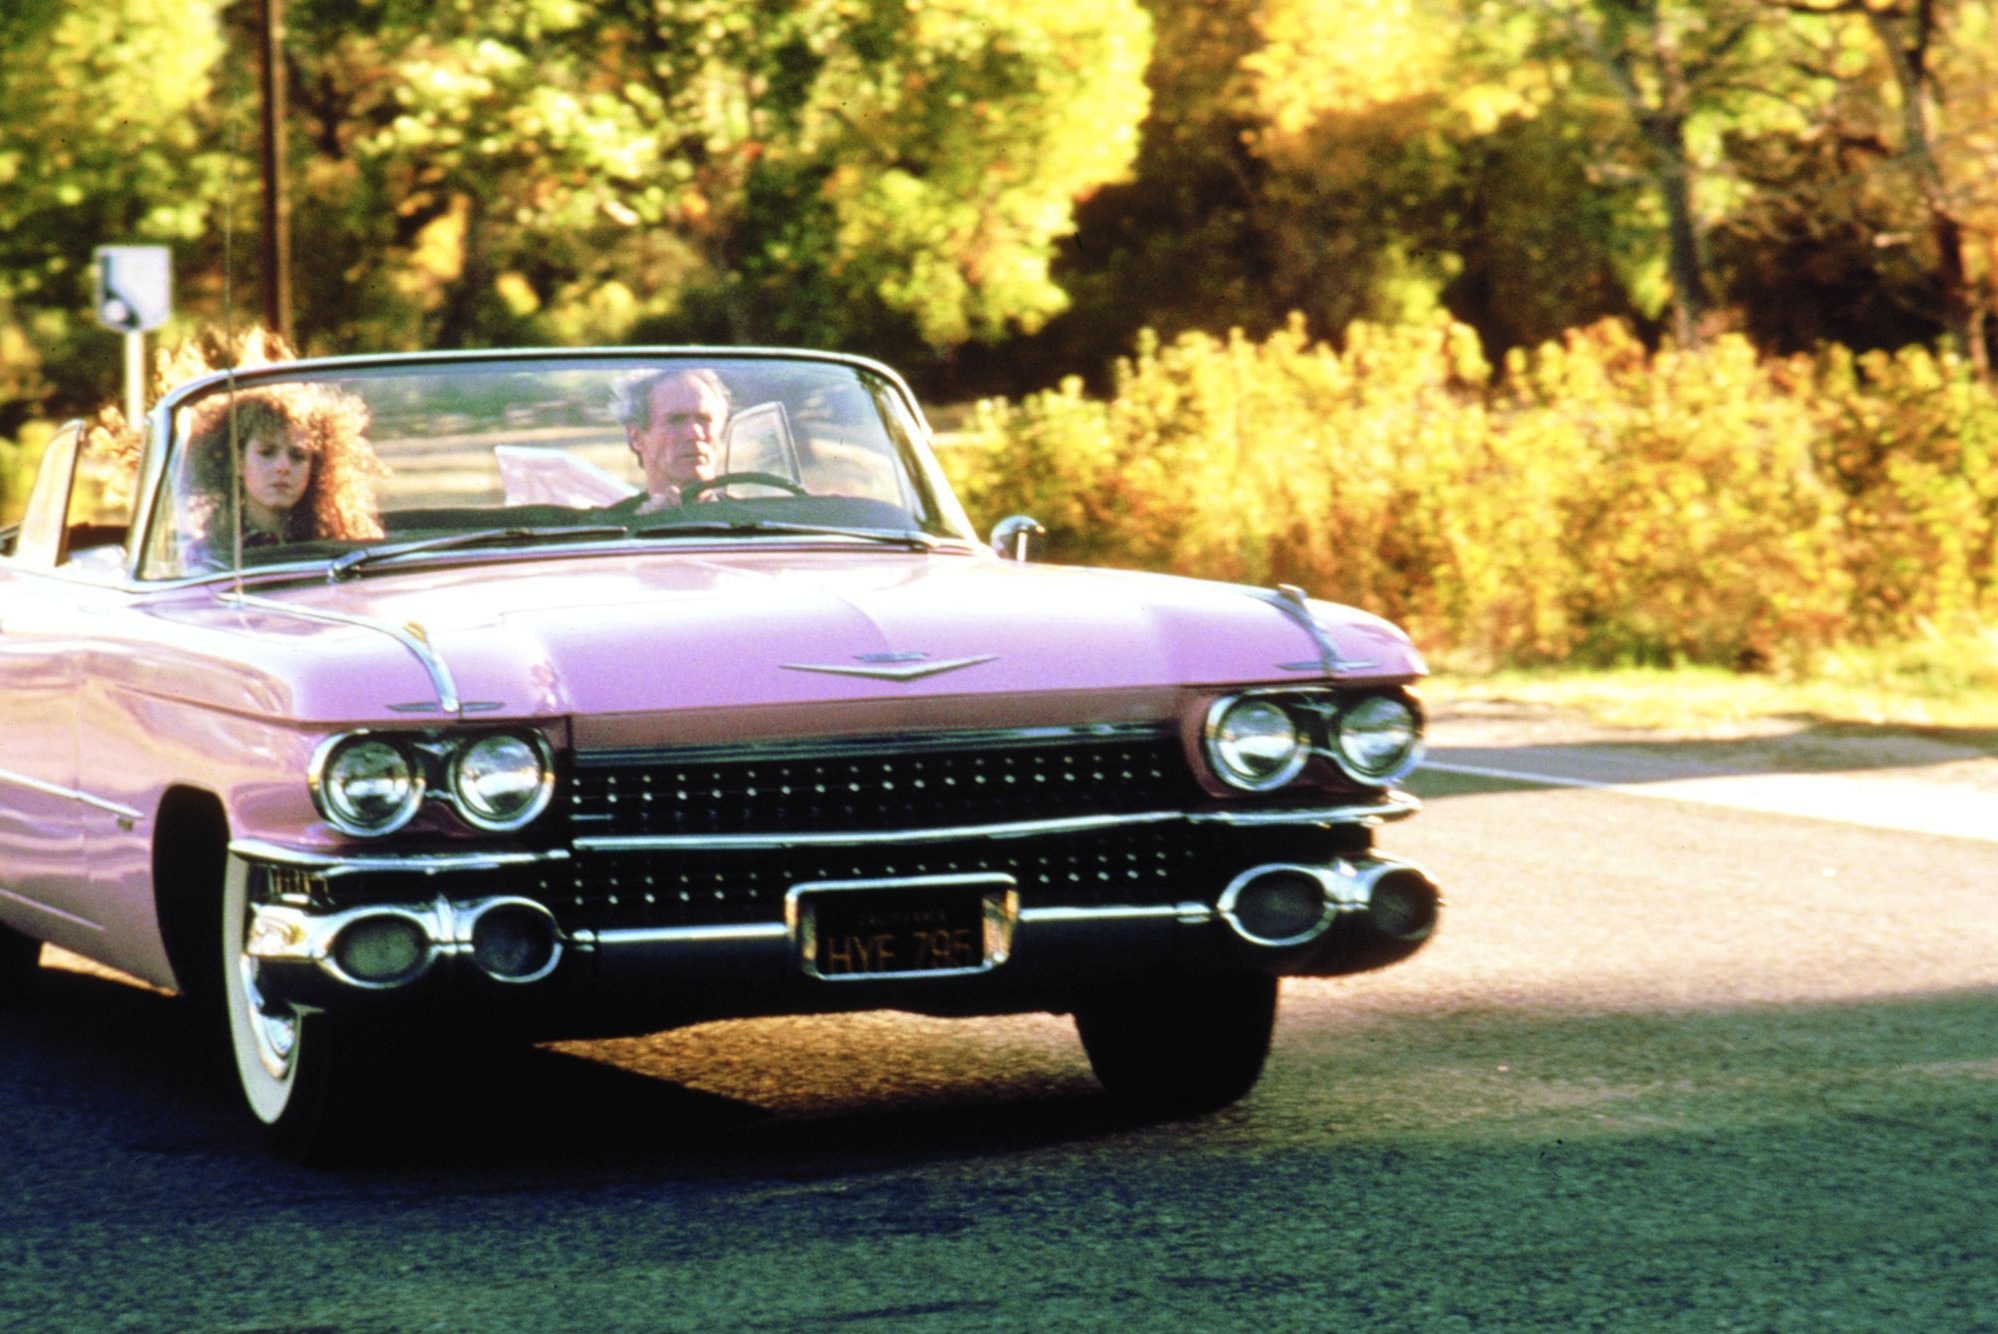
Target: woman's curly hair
pixel 329 424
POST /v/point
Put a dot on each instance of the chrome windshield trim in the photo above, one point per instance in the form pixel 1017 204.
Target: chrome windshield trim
pixel 338 863
pixel 409 636
pixel 109 807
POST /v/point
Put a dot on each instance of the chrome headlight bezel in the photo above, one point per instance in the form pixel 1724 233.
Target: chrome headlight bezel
pixel 1356 731
pixel 476 810
pixel 434 766
pixel 331 780
pixel 1230 749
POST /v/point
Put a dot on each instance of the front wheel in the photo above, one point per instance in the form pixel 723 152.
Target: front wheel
pixel 1182 1046
pixel 296 1067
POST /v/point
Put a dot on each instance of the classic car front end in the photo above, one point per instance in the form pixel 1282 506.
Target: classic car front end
pixel 547 757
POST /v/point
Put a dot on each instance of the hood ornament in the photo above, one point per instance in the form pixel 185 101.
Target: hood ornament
pixel 890 666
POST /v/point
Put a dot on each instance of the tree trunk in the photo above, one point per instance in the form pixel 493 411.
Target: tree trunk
pixel 1690 299
pixel 1905 36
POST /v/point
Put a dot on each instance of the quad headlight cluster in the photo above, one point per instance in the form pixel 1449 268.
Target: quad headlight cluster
pixel 374 783
pixel 1260 741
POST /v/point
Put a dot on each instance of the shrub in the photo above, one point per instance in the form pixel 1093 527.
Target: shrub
pixel 1598 501
pixel 18 461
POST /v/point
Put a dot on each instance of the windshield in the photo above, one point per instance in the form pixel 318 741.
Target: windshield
pixel 319 462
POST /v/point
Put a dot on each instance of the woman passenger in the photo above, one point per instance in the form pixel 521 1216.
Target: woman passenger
pixel 290 462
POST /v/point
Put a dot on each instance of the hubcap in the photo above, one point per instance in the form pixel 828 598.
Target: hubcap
pixel 273 1029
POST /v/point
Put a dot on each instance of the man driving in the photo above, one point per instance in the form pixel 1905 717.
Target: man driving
pixel 673 420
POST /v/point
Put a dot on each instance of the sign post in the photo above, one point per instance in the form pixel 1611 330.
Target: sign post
pixel 134 296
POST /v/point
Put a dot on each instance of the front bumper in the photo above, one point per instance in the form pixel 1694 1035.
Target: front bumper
pixel 1295 897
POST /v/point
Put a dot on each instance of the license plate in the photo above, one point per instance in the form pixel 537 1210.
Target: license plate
pixel 923 926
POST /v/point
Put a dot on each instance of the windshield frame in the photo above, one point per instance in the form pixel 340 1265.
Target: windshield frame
pixel 911 434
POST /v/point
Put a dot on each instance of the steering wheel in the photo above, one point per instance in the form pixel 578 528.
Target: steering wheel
pixel 694 490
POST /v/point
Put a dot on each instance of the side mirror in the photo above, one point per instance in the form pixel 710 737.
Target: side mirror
pixel 1013 536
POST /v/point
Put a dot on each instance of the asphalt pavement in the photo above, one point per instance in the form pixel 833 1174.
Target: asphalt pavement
pixel 1677 1061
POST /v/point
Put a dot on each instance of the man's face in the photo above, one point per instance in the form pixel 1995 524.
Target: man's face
pixel 679 444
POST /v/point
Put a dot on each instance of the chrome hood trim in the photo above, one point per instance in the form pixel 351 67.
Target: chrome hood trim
pixel 411 636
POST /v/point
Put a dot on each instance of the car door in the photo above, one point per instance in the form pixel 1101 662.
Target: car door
pixel 41 811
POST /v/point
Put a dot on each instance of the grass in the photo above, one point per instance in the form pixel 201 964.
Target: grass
pixel 1943 681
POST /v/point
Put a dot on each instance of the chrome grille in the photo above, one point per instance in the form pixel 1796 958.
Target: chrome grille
pixel 880 784
pixel 1141 864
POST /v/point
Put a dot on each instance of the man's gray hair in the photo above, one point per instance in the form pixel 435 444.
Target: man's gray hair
pixel 631 397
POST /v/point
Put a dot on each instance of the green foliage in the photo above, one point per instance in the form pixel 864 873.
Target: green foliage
pixel 18 461
pixel 1598 502
pixel 102 120
pixel 811 171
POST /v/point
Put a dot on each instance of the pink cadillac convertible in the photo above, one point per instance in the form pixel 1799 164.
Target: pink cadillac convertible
pixel 569 693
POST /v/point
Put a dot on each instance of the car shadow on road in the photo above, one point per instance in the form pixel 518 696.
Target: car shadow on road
pixel 110 1070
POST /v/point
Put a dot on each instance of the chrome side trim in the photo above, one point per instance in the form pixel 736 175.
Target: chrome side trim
pixel 338 863
pixel 1398 806
pixel 36 905
pixel 410 636
pixel 116 808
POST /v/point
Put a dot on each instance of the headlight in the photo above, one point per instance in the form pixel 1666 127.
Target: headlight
pixel 1253 744
pixel 1377 739
pixel 366 785
pixel 501 781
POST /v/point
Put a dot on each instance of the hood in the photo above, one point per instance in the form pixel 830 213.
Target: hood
pixel 655 632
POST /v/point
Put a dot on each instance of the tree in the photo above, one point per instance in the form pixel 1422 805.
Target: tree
pixel 1942 90
pixel 804 170
pixel 1353 159
pixel 104 139
pixel 1683 72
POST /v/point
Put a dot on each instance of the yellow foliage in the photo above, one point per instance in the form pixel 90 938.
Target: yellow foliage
pixel 1599 502
pixel 1323 57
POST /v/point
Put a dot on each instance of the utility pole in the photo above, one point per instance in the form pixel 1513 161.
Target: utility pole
pixel 276 247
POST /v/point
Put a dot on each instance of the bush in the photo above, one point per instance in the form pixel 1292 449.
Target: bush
pixel 18 461
pixel 1598 502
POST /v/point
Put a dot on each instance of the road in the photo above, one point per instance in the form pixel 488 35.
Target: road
pixel 1709 1042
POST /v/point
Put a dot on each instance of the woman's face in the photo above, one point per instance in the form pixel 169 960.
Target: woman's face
pixel 275 475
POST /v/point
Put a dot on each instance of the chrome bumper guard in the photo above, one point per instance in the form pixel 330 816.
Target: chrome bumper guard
pixel 1282 917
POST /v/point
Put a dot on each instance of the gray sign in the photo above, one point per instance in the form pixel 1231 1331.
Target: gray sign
pixel 134 287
